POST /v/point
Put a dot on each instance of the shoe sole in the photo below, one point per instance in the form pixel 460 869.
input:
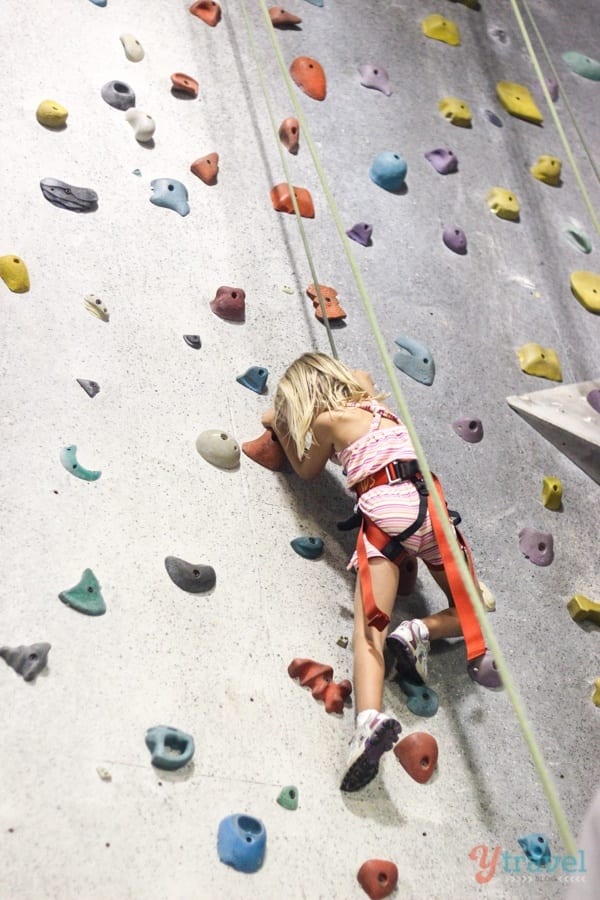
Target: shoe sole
pixel 364 769
pixel 405 662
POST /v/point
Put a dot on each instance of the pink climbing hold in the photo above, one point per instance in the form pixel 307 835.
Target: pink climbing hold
pixel 455 239
pixel 443 161
pixel 537 546
pixel 375 77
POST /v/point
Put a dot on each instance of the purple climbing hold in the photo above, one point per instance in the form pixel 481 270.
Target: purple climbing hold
pixel 375 77
pixel 361 233
pixel 538 546
pixel 483 671
pixel 552 89
pixel 443 161
pixel 593 398
pixel 470 430
pixel 455 239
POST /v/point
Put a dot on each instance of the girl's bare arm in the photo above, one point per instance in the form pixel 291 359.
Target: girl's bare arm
pixel 315 459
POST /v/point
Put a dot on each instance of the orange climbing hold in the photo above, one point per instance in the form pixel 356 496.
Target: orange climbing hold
pixel 309 76
pixel 319 678
pixel 281 199
pixel 266 451
pixel 208 11
pixel 281 18
pixel 333 309
pixel 207 168
pixel 184 84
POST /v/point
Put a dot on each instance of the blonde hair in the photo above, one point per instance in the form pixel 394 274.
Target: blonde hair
pixel 314 383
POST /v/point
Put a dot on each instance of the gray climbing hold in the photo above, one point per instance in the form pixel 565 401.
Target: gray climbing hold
pixel 493 118
pixel 68 457
pixel 443 161
pixel 85 596
pixel 537 546
pixel 361 233
pixel 195 579
pixel 171 194
pixel 27 661
pixel 469 429
pixel 455 239
pixel 254 378
pixel 118 94
pixel 593 398
pixel 308 547
pixel 216 447
pixel 170 748
pixel 67 196
pixel 484 672
pixel 90 387
pixel 417 362
pixel 193 340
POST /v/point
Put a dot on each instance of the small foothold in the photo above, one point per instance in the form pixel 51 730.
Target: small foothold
pixel 143 125
pixel 14 274
pixel 593 398
pixel 103 773
pixel 308 547
pixel 455 239
pixel 193 340
pixel 541 361
pixel 375 77
pixel 586 288
pixel 171 194
pixel 95 305
pixel 537 546
pixel 483 671
pixel 596 692
pixel 418 755
pixel 517 100
pixel 503 203
pixel 281 18
pixel 441 29
pixel 548 170
pixel 552 89
pixel 489 601
pixel 229 303
pixel 90 387
pixel 86 596
pixel 342 642
pixel 67 196
pixel 361 233
pixel 282 201
pixel 378 878
pixel 319 678
pixel 51 114
pixel 582 65
pixel 308 74
pixel 551 492
pixel 254 378
pixel 184 84
pixel 195 579
pixel 266 451
pixel 582 609
pixel 493 118
pixel 242 842
pixel 118 94
pixel 27 660
pixel 576 236
pixel 536 849
pixel 288 797
pixel 68 457
pixel 388 170
pixel 443 161
pixel 421 699
pixel 333 310
pixel 132 47
pixel 218 448
pixel 208 11
pixel 170 748
pixel 137 172
pixel 469 429
pixel 99 2
pixel 455 111
pixel 417 362
pixel 289 134
pixel 207 168
pixel 319 3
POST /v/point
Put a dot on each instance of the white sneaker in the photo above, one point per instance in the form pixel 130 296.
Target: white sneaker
pixel 410 645
pixel 370 741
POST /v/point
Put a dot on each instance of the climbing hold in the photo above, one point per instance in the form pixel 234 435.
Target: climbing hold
pixel 375 77
pixel 171 194
pixel 441 29
pixel 207 168
pixel 503 203
pixel 319 678
pixel 67 196
pixel 489 601
pixel 103 773
pixel 361 233
pixel 90 387
pixel 282 201
pixel 308 74
pixel 443 161
pixel 68 457
pixel 288 797
pixel 551 492
pixel 266 451
pixel 85 596
pixel 143 125
pixel 195 579
pixel 538 546
pixel 14 274
pixel 229 303
pixel 582 609
pixel 540 361
pixel 499 34
pixel 97 308
pixel 184 84
pixel 308 547
pixel 218 448
pixel 170 748
pixel 483 671
pixel 593 398
pixel 333 310
pixel 536 849
pixel 517 100
pixel 208 11
pixel 469 429
pixel 254 378
pixel 27 661
pixel 455 239
pixel 319 3
pixel 596 692
pixel 51 114
pixel 132 47
pixel 118 94
pixel 582 65
pixel 407 570
pixel 342 641
pixel 242 842
pixel 552 89
pixel 388 170
pixel 421 699
pixel 417 362
pixel 576 236
pixel 281 18
pixel 136 172
pixel 455 111
pixel 193 340
pixel 547 169
pixel 418 755
pixel 378 878
pixel 493 119
pixel 289 134
pixel 99 2
pixel 586 288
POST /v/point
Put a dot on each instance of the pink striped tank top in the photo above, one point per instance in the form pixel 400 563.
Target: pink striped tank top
pixel 376 448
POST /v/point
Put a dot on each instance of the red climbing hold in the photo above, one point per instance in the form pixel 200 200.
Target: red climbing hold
pixel 266 451
pixel 378 878
pixel 229 303
pixel 207 168
pixel 281 18
pixel 319 678
pixel 418 754
pixel 207 10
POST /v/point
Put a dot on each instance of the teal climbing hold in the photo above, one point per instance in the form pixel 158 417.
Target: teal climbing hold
pixel 582 65
pixel 288 797
pixel 316 2
pixel 388 170
pixel 578 238
pixel 416 362
pixel 254 378
pixel 308 547
pixel 170 748
pixel 68 457
pixel 421 699
pixel 86 596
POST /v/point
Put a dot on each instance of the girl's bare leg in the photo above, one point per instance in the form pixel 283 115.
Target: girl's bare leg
pixel 446 623
pixel 369 668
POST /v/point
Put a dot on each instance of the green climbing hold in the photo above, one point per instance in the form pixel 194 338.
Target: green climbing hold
pixel 86 596
pixel 308 547
pixel 582 65
pixel 288 797
pixel 68 457
pixel 578 238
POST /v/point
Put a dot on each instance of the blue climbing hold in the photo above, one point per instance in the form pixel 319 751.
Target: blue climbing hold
pixel 254 378
pixel 171 194
pixel 388 170
pixel 421 699
pixel 536 848
pixel 170 748
pixel 308 547
pixel 242 842
pixel 416 362
pixel 361 233
pixel 99 2
pixel 316 2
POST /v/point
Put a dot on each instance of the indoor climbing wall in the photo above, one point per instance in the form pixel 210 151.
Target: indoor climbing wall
pixel 163 594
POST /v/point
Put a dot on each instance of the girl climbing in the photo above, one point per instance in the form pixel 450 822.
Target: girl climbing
pixel 324 410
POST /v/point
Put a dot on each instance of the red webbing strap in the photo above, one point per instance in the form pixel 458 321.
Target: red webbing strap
pixel 374 616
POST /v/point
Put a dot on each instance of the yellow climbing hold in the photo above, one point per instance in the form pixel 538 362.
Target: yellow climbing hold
pixel 596 694
pixel 586 287
pixel 441 29
pixel 503 203
pixel 547 169
pixel 13 272
pixel 551 492
pixel 517 100
pixel 455 111
pixel 583 609
pixel 540 361
pixel 51 114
